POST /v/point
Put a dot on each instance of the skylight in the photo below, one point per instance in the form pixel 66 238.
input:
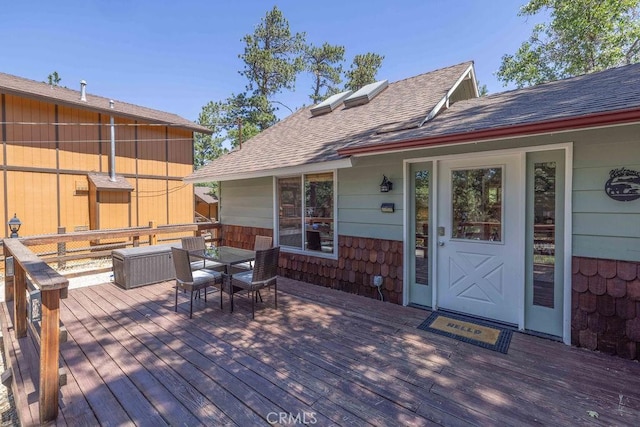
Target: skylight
pixel 366 93
pixel 330 104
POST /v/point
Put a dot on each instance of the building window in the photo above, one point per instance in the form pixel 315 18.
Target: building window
pixel 477 204
pixel 306 212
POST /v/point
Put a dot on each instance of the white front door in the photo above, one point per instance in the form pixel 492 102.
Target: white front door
pixel 480 237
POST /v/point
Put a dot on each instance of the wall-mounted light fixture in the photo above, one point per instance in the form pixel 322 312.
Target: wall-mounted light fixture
pixel 385 185
pixel 14 225
pixel 388 207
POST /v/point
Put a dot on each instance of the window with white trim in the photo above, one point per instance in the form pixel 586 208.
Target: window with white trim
pixel 306 212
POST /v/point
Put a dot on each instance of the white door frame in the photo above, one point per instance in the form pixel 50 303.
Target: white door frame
pixel 501 259
pixel 433 220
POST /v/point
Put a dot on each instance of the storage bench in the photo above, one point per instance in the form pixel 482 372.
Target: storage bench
pixel 133 267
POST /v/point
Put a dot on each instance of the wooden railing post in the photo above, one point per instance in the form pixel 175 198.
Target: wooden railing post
pixel 153 238
pixel 51 286
pixel 19 300
pixel 49 355
pixel 62 248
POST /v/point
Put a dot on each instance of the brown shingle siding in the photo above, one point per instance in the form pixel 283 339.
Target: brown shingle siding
pixel 627 270
pixel 597 285
pixel 352 272
pixel 616 287
pixel 606 310
pixel 607 268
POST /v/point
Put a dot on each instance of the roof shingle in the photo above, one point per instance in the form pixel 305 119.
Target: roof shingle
pixel 205 195
pixel 302 139
pixel 30 88
pixel 103 182
pixel 616 89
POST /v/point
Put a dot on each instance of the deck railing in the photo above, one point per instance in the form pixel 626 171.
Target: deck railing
pixel 62 248
pixel 27 272
pixel 28 269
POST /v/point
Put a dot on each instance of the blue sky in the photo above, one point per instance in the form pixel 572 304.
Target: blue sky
pixel 178 55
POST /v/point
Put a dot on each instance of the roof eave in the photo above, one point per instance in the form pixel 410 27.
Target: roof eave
pixel 572 123
pixel 289 170
pixel 57 101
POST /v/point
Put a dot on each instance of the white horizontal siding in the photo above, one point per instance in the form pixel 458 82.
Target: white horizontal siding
pixel 603 227
pixel 247 202
pixel 360 199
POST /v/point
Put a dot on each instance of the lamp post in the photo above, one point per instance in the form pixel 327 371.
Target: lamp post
pixel 14 225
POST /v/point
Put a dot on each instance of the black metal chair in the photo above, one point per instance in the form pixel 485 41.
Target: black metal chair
pixel 193 281
pixel 264 274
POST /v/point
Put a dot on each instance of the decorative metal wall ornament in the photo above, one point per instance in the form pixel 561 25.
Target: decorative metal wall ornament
pixel 623 185
pixel 34 306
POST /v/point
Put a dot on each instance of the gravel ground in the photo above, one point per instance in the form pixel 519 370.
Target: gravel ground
pixel 7 405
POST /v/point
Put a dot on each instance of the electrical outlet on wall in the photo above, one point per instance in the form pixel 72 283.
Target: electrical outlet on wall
pixel 377 281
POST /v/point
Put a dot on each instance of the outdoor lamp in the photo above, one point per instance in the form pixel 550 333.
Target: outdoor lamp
pixel 385 185
pixel 14 225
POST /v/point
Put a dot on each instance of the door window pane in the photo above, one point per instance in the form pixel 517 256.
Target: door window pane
pixel 477 204
pixel 422 227
pixel 544 220
pixel 290 212
pixel 319 224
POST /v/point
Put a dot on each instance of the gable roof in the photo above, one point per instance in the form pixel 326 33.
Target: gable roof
pixel 19 86
pixel 204 195
pixel 302 140
pixel 597 99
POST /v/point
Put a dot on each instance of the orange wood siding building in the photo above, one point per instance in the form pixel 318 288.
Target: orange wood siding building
pixel 55 158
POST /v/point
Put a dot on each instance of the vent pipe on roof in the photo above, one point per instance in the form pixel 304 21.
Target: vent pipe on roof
pixel 83 90
pixel 112 157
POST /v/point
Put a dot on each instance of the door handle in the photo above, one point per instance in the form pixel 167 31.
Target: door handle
pixel 440 243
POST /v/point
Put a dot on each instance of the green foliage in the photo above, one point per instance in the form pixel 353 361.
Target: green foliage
pixel 325 63
pixel 363 70
pixel 272 55
pixel 209 147
pixel 482 89
pixel 583 36
pixel 54 79
pixel 252 114
pixel 422 183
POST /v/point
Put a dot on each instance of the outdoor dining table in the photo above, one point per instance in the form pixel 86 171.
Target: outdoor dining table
pixel 228 256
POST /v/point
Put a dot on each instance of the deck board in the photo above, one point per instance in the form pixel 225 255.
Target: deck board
pixel 329 356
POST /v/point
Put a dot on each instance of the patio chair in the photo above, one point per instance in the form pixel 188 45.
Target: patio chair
pixel 193 281
pixel 260 243
pixel 197 245
pixel 261 276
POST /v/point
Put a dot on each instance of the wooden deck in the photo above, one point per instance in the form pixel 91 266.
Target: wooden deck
pixel 325 358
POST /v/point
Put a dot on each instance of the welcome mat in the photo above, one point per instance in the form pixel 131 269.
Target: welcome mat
pixel 473 331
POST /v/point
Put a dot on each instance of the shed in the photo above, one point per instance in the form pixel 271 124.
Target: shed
pixel 206 203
